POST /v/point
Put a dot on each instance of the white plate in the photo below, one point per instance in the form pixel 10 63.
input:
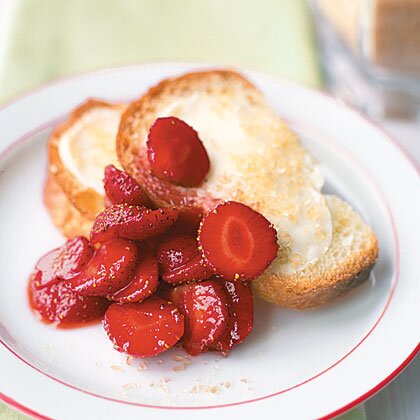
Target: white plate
pixel 301 364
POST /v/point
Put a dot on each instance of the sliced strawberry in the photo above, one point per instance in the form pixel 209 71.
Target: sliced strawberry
pixel 241 316
pixel 176 153
pixel 165 194
pixel 107 202
pixel 108 270
pixel 121 188
pixel 74 256
pixel 144 329
pixel 186 224
pixel 188 221
pixel 46 268
pixel 163 291
pixel 193 270
pixel 176 296
pixel 57 303
pixel 65 262
pixel 144 281
pixel 131 222
pixel 180 261
pixel 176 250
pixel 238 242
pixel 204 306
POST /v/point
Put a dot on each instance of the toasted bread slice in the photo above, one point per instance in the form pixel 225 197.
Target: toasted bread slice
pixel 255 159
pixel 62 212
pixel 80 148
pixel 345 265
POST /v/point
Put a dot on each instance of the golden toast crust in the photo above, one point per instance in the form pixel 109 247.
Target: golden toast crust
pixel 62 212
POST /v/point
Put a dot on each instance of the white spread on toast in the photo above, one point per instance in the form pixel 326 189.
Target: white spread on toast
pixel 89 145
pixel 257 160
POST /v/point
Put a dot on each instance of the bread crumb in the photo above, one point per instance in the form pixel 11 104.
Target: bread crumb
pixel 142 365
pixel 244 380
pixel 194 389
pixel 214 389
pixel 118 368
pixel 209 388
pixel 129 360
pixel 130 387
pixel 184 360
pixel 163 388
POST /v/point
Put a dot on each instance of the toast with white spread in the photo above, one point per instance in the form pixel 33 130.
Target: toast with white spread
pixel 78 151
pixel 325 248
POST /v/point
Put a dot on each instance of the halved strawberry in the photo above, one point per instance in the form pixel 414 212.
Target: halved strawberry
pixel 144 329
pixel 238 242
pixel 57 303
pixel 176 153
pixel 131 222
pixel 63 263
pixel 176 250
pixel 193 270
pixel 121 188
pixel 108 271
pixel 205 307
pixel 144 281
pixel 241 316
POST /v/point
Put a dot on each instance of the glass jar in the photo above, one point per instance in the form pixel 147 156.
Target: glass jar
pixel 370 54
